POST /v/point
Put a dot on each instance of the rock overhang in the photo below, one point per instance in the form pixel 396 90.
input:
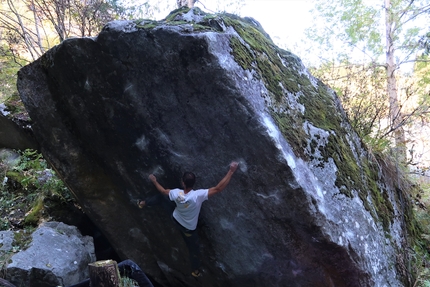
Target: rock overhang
pixel 297 117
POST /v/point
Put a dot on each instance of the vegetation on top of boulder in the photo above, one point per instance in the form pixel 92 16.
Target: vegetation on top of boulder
pixel 174 19
pixel 254 50
pixel 284 76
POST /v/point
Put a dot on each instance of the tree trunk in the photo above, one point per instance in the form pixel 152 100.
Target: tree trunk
pixel 396 117
pixel 182 3
pixel 104 274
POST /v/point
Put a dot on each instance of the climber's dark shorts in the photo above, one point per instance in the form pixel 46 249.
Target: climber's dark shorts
pixel 191 239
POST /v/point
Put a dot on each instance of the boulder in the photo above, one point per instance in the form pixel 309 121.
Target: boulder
pixel 309 206
pixel 57 255
pixel 6 240
pixel 14 136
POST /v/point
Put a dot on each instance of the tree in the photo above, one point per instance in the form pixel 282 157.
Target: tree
pixel 231 6
pixel 8 70
pixel 369 29
pixel 188 3
pixel 30 27
pixel 362 91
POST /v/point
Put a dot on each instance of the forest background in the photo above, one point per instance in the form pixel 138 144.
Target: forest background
pixel 373 53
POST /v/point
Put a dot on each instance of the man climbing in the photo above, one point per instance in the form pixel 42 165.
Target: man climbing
pixel 188 204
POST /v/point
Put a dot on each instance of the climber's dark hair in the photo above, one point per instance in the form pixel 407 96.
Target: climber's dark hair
pixel 189 179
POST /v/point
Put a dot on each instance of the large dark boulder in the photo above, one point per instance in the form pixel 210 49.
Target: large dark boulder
pixel 309 205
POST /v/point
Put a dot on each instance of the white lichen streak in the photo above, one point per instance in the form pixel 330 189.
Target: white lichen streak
pixel 275 135
pixel 273 195
pixel 141 143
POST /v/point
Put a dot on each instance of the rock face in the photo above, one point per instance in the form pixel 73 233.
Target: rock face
pixel 309 205
pixel 13 136
pixel 58 255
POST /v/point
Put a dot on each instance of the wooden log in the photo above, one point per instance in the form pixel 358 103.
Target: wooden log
pixel 104 273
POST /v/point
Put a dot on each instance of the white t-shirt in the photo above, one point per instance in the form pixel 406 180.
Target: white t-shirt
pixel 188 206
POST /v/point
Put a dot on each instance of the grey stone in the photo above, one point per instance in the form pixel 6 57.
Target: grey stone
pixel 57 255
pixel 6 240
pixel 166 97
pixel 14 136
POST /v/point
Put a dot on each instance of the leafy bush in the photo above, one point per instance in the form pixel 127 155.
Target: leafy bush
pixel 33 174
pixel 420 257
pixel 28 187
pixel 128 282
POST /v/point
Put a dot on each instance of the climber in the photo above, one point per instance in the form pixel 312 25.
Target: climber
pixel 186 213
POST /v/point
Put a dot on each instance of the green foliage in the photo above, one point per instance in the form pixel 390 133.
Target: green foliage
pixel 8 70
pixel 362 91
pixel 422 86
pixel 418 222
pixel 22 239
pixel 28 188
pixel 365 30
pixel 33 216
pixel 33 174
pixel 350 25
pixel 4 224
pixel 138 9
pixel 15 106
pixel 359 25
pixel 128 282
pixel 254 51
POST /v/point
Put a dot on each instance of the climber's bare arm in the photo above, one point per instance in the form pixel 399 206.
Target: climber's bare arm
pixel 159 187
pixel 223 183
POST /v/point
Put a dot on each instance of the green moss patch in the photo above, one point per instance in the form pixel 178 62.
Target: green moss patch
pixel 35 213
pixel 22 239
pixel 209 22
pixel 258 51
pixel 321 110
pixel 280 71
pixel 242 54
pixel 254 50
pixel 292 130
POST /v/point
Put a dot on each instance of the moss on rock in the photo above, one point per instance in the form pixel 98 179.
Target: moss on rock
pixel 280 71
pixel 34 215
pixel 283 76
